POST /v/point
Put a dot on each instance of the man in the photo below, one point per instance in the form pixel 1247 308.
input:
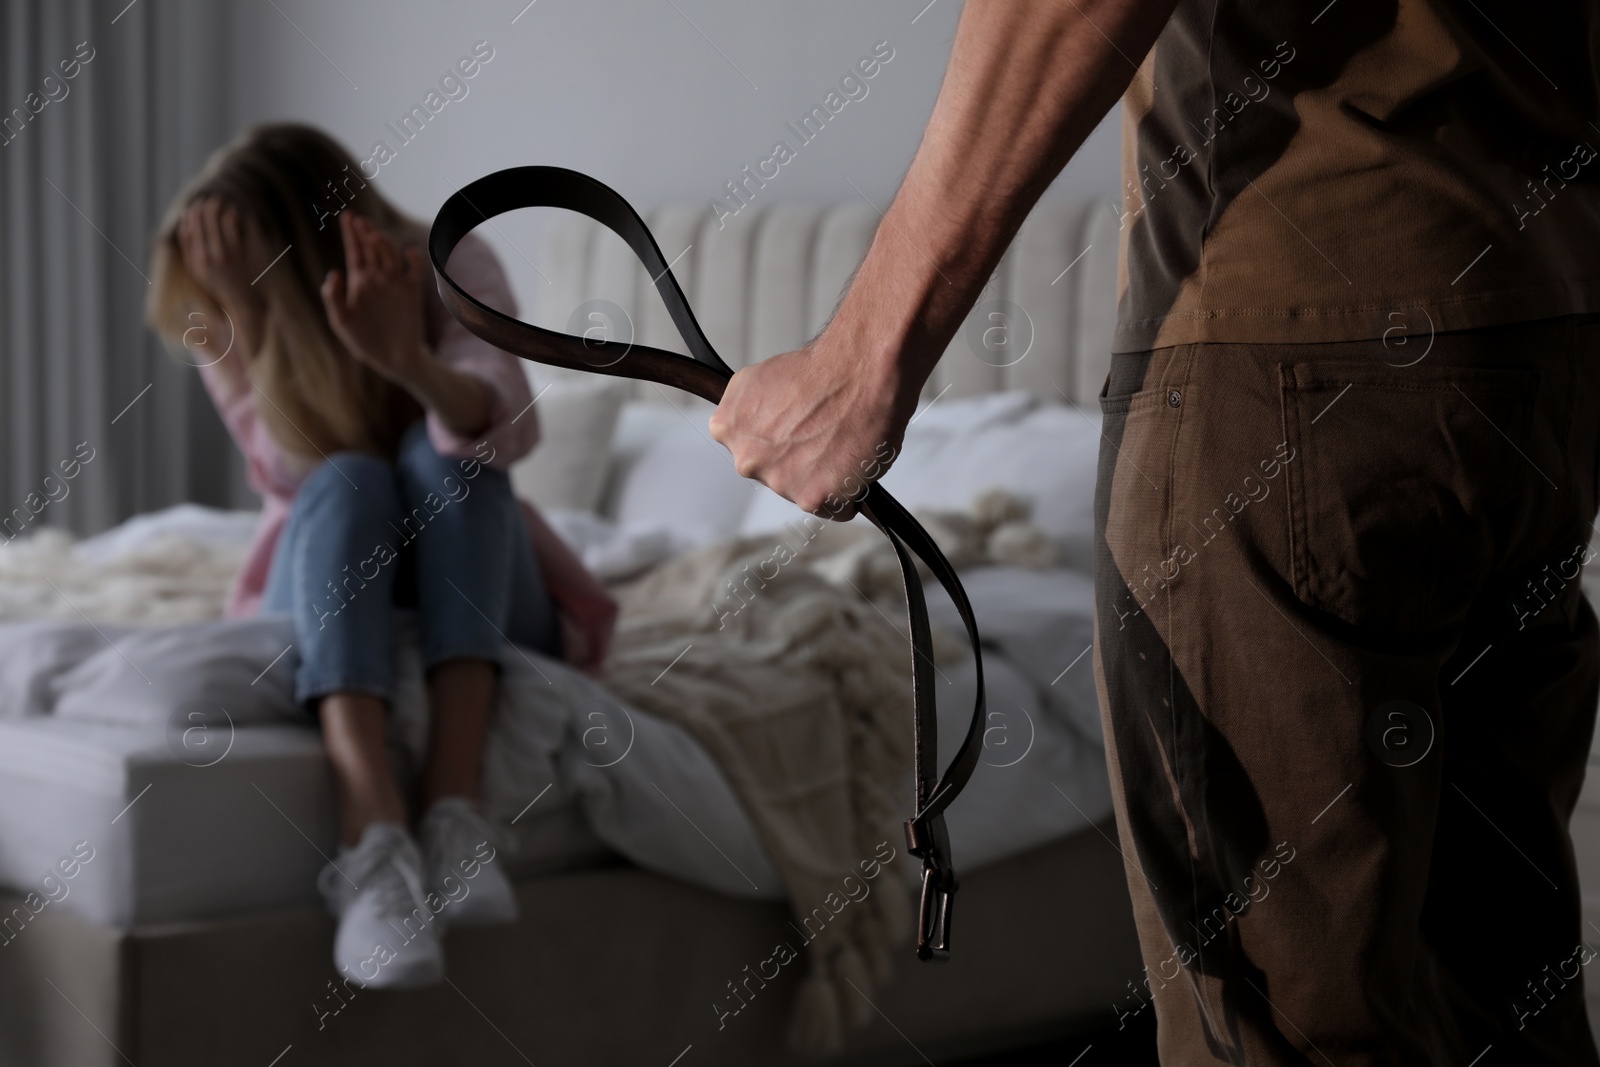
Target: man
pixel 1347 674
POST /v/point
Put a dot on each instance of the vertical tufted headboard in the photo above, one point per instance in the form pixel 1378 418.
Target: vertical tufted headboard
pixel 767 281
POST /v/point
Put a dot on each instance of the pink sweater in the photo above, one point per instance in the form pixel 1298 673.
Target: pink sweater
pixel 277 477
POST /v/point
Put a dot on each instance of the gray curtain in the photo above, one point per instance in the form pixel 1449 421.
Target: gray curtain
pixel 87 166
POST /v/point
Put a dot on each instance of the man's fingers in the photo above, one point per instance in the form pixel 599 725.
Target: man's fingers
pixel 721 418
pixel 844 514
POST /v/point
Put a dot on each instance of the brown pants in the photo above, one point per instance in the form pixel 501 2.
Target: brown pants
pixel 1348 679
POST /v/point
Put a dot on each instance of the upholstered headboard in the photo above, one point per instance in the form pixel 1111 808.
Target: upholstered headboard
pixel 767 280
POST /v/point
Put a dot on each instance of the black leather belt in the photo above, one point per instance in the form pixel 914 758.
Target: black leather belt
pixel 706 375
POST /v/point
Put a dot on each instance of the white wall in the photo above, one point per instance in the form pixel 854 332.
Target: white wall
pixel 665 100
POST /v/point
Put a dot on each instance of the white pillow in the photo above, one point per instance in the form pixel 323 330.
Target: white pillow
pixel 770 513
pixel 567 468
pixel 1047 456
pixel 153 677
pixel 682 481
pixel 971 413
pixel 934 421
pixel 641 424
pixel 610 551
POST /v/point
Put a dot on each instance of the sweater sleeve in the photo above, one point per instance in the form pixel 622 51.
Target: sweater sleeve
pixel 231 395
pixel 513 428
pixel 271 472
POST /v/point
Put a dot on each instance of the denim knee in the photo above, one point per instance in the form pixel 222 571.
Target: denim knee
pixel 343 511
pixel 419 460
pixel 449 485
pixel 366 478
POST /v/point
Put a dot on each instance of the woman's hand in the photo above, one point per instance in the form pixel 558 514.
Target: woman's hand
pixel 589 622
pixel 224 252
pixel 376 312
pixel 588 613
pixel 375 304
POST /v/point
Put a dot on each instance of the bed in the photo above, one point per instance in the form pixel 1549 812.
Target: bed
pixel 189 930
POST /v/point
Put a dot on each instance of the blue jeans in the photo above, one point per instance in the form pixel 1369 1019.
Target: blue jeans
pixel 366 535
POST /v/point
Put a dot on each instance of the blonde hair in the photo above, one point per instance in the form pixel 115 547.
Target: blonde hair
pixel 291 181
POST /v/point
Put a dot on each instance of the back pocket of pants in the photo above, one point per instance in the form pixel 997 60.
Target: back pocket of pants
pixel 1396 480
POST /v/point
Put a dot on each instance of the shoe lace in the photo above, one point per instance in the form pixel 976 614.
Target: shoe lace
pixel 458 832
pixel 381 869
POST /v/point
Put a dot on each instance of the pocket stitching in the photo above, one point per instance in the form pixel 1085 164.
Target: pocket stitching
pixel 1133 402
pixel 1300 571
pixel 1305 577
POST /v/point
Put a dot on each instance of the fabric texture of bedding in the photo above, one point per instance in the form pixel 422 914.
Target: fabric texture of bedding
pixel 800 694
pixel 956 451
pixel 778 653
pixel 552 784
pixel 228 670
pixel 725 777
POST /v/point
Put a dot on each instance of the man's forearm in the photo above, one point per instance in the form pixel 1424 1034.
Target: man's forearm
pixel 1028 80
pixel 1026 83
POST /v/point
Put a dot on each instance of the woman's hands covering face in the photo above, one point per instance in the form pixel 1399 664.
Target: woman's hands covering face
pixel 224 252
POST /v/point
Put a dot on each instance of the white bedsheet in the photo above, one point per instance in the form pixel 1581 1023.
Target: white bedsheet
pixel 569 772
pixel 200 820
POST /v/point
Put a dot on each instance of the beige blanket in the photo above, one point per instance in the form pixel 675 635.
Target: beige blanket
pixel 787 657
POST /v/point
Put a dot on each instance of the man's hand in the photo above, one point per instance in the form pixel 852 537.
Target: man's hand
pixel 815 425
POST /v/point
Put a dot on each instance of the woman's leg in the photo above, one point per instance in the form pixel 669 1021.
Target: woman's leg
pixel 467 686
pixel 334 572
pixel 354 731
pixel 462 693
pixel 477 586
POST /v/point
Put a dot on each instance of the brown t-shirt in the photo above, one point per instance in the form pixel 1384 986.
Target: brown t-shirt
pixel 1301 172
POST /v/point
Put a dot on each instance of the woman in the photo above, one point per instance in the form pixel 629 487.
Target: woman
pixel 378 432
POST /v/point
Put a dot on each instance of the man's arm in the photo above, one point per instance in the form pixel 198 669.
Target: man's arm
pixel 1027 81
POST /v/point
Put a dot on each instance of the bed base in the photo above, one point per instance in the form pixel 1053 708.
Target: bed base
pixel 608 965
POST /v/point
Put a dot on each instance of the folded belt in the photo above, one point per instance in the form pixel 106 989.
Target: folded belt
pixel 705 374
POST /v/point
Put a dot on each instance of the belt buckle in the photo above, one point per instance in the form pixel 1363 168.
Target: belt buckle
pixel 931 843
pixel 933 920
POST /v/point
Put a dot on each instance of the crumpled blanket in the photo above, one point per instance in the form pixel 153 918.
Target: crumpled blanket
pixel 166 582
pixel 787 656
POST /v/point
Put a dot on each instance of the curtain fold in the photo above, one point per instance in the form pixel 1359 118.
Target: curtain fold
pixel 105 109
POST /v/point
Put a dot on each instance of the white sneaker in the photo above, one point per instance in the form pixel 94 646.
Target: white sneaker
pixel 388 935
pixel 459 855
